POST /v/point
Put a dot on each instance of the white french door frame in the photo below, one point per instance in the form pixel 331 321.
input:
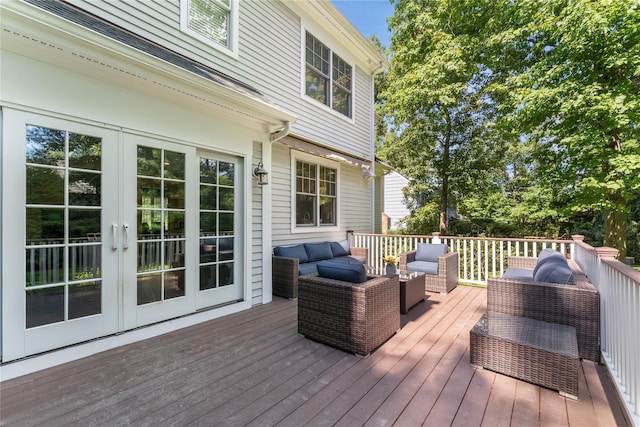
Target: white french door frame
pixel 119 264
pixel 18 340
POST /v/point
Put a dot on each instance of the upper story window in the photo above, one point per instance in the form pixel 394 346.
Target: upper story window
pixel 211 21
pixel 327 77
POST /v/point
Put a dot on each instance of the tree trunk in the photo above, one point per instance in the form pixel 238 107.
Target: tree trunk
pixel 615 232
pixel 444 192
pixel 615 220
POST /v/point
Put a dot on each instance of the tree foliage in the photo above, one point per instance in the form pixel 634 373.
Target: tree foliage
pixel 442 132
pixel 537 100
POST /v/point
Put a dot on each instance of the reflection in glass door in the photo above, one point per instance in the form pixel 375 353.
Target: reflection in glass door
pixel 216 223
pixel 63 277
pixel 219 219
pixel 160 224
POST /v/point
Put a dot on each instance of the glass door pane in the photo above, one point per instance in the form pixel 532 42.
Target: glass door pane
pixel 217 223
pixel 63 244
pixel 161 237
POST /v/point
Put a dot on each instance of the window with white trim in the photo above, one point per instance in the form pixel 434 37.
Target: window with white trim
pixel 316 194
pixel 211 21
pixel 328 78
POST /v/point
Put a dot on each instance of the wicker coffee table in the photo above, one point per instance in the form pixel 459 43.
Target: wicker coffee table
pixel 538 352
pixel 411 287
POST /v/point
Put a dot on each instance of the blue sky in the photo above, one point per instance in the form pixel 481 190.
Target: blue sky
pixel 368 16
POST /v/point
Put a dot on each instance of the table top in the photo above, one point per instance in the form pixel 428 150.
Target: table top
pixel 404 275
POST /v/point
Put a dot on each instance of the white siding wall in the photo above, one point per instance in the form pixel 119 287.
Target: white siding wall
pixel 269 58
pixel 394 205
pixel 354 205
pixel 256 231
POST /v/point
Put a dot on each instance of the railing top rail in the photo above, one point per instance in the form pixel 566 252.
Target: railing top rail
pixel 415 236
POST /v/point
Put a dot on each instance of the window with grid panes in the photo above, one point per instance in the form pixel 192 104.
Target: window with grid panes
pixel 316 195
pixel 210 20
pixel 327 76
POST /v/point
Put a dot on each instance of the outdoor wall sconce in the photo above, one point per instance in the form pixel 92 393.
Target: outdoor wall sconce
pixel 261 173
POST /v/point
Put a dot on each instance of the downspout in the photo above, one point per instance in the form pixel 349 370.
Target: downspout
pixel 267 217
pixel 278 135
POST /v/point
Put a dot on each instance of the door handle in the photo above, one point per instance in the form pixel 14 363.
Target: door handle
pixel 114 236
pixel 125 229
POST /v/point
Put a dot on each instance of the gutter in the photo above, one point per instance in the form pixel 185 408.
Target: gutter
pixel 279 134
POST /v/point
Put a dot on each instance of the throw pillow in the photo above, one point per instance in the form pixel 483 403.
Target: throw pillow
pixel 430 251
pixel 296 251
pixel 318 251
pixel 548 257
pixel 341 248
pixel 353 273
pixel 554 272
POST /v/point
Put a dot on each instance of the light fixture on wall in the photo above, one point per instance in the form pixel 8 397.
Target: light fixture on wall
pixel 261 173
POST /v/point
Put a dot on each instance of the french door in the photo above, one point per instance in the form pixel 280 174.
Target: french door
pixel 105 231
pixel 60 265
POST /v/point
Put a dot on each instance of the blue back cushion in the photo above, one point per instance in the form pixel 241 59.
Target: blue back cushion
pixel 353 273
pixel 554 272
pixel 430 251
pixel 341 248
pixel 549 252
pixel 318 251
pixel 551 257
pixel 296 251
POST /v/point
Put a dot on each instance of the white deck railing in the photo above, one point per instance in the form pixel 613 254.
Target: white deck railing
pixel 619 287
pixel 618 284
pixel 480 258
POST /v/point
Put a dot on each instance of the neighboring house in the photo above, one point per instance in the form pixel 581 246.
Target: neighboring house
pixel 390 201
pixel 131 131
pixel 394 206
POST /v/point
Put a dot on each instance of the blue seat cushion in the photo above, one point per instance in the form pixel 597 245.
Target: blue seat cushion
pixel 353 273
pixel 318 251
pixel 296 251
pixel 341 248
pixel 427 267
pixel 307 268
pixel 518 274
pixel 430 251
pixel 554 272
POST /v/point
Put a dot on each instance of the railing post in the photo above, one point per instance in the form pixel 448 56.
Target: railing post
pixel 436 237
pixel 572 247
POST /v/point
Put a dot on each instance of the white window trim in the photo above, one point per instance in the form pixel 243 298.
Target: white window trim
pixel 320 161
pixel 303 70
pixel 232 50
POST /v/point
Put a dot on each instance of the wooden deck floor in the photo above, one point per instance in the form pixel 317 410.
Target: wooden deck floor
pixel 253 369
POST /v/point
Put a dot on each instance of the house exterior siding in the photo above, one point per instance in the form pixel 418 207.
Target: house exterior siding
pixel 125 69
pixel 271 61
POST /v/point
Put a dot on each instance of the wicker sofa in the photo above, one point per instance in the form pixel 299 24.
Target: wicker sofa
pixel 441 268
pixel 576 304
pixel 290 262
pixel 354 317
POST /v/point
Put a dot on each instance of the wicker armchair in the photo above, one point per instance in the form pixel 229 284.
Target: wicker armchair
pixel 285 273
pixel 448 272
pixel 576 305
pixel 356 318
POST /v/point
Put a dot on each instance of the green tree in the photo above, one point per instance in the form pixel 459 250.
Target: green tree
pixel 571 74
pixel 441 131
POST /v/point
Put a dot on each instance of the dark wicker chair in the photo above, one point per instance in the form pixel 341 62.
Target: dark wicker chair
pixel 576 305
pixel 356 318
pixel 285 273
pixel 448 272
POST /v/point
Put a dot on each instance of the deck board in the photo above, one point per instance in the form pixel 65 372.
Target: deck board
pixel 253 369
